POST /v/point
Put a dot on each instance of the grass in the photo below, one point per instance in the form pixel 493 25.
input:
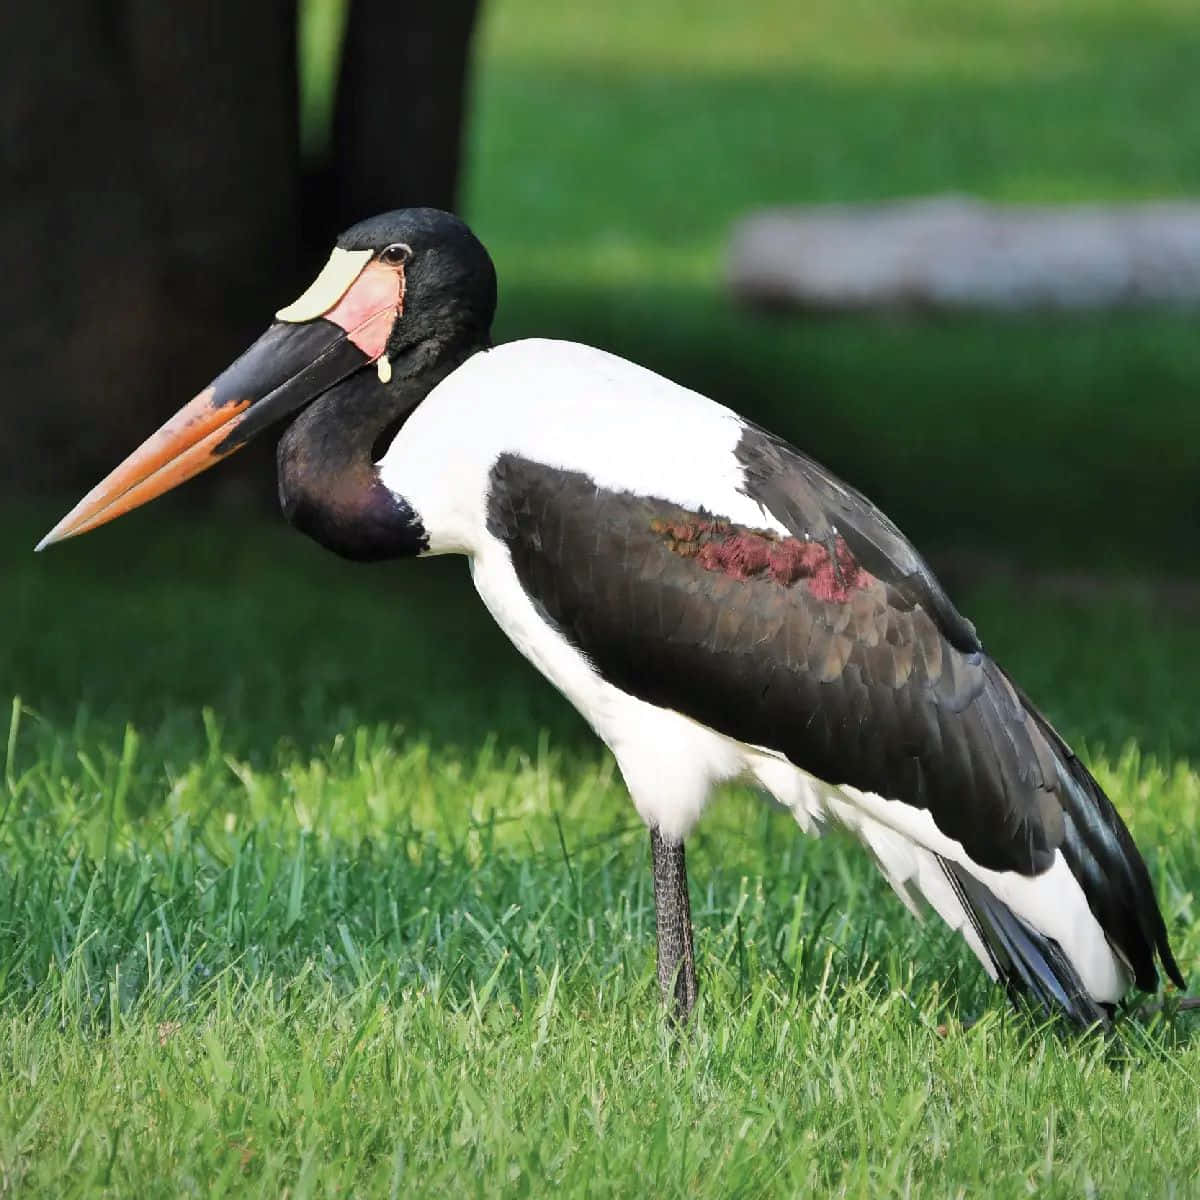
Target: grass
pixel 290 900
pixel 309 886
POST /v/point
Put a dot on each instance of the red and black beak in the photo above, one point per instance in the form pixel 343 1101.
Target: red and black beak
pixel 341 324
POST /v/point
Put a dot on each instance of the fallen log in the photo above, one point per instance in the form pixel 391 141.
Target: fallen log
pixel 953 253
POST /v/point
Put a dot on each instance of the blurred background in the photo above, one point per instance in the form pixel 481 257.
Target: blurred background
pixel 256 800
pixel 175 173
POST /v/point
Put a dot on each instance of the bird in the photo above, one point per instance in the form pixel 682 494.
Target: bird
pixel 714 602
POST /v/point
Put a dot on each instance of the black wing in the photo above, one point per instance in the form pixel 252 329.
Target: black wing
pixel 835 646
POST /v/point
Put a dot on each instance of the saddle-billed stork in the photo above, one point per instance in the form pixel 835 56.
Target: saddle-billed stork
pixel 717 605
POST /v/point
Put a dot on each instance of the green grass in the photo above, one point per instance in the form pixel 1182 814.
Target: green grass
pixel 292 898
pixel 309 886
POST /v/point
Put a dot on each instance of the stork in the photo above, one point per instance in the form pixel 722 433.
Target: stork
pixel 716 604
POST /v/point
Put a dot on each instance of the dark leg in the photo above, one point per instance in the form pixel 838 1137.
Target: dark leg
pixel 673 917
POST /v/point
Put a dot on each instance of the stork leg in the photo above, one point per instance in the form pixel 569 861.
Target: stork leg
pixel 673 918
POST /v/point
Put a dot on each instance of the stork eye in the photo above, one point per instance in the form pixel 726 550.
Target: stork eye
pixel 396 254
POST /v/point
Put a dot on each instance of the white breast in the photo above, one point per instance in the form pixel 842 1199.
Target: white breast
pixel 572 407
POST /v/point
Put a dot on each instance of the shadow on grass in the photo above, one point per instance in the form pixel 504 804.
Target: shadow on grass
pixel 156 618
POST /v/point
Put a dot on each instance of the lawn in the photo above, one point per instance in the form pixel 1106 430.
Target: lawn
pixel 310 886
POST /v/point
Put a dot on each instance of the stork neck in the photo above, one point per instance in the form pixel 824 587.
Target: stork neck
pixel 329 487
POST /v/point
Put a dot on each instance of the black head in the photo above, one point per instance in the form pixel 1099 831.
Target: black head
pixel 449 282
pixel 404 299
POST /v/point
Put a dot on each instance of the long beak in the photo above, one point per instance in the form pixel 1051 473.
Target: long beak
pixel 297 359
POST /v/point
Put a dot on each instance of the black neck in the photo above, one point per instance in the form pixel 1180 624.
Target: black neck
pixel 328 485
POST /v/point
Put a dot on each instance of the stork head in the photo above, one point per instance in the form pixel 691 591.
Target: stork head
pixel 399 293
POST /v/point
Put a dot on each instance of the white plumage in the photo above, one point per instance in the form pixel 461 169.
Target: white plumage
pixel 576 408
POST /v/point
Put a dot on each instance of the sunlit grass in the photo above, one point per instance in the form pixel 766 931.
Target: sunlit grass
pixel 319 30
pixel 665 123
pixel 378 961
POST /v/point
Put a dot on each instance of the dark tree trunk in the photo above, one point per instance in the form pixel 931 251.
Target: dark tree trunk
pixel 398 122
pixel 149 160
pixel 149 173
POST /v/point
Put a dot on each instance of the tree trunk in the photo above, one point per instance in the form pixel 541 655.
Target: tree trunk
pixel 401 97
pixel 149 159
pixel 150 178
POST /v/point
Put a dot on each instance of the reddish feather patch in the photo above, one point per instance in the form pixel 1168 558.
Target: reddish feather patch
pixel 751 553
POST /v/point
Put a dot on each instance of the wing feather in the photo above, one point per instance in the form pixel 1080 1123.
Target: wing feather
pixel 836 647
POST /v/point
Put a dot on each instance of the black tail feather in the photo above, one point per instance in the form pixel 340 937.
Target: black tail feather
pixel 1112 873
pixel 1030 965
pixel 1102 855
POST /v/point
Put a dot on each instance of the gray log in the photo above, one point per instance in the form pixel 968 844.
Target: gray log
pixel 950 252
